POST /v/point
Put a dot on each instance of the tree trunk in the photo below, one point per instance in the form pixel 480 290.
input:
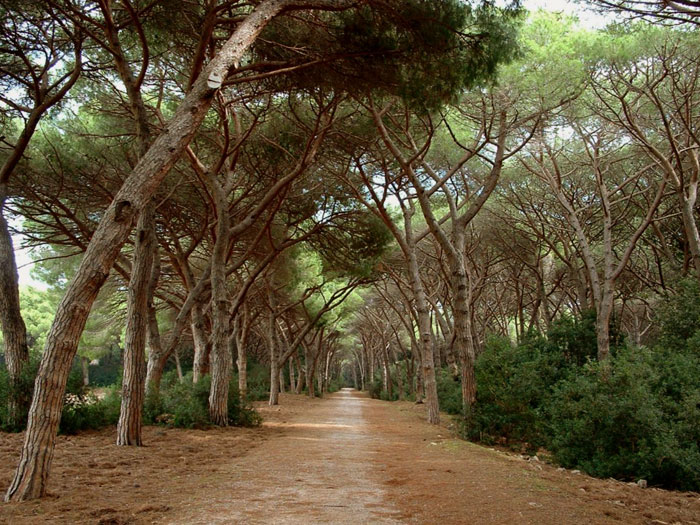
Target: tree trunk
pixel 11 322
pixel 242 363
pixel 134 375
pixel 292 381
pixel 153 340
pixel 31 478
pixel 200 362
pixel 221 357
pixel 300 379
pixel 274 376
pixel 178 366
pixel 85 369
pixel 688 213
pixel 602 323
pixel 429 383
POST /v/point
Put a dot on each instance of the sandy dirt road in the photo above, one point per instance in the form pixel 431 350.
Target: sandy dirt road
pixel 345 459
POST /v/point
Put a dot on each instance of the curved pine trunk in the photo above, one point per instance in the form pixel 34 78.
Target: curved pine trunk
pixel 31 476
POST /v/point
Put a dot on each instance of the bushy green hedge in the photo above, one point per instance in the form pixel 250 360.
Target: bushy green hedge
pixel 23 389
pixel 634 416
pixel 258 379
pixel 186 405
pixel 449 389
pixel 81 410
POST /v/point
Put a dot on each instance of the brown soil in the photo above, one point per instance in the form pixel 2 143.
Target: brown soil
pixel 343 459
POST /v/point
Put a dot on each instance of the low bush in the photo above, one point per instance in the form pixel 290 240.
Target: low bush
pixel 22 389
pixel 514 384
pixel 258 381
pixel 185 404
pixel 449 389
pixel 375 388
pixel 635 417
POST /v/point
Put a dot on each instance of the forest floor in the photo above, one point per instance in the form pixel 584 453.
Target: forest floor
pixel 342 459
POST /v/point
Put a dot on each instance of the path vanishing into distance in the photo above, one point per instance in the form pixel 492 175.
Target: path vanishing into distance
pixel 342 459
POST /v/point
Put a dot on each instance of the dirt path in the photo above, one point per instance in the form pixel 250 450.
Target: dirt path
pixel 343 459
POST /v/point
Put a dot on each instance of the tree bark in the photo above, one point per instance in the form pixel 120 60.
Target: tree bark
pixel 274 358
pixel 11 322
pixel 221 358
pixel 200 364
pixel 134 375
pixel 31 478
pixel 292 380
pixel 242 363
pixel 300 379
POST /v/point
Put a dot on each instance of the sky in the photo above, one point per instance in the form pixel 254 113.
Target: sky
pixel 586 16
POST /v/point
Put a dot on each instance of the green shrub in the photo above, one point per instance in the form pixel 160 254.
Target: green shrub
pixel 375 388
pixel 514 384
pixel 22 389
pixel 82 410
pixel 449 389
pixel 186 405
pixel 258 381
pixel 336 384
pixel 679 316
pixel 635 417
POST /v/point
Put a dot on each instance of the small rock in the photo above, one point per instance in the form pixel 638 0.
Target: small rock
pixel 534 458
pixel 642 483
pixel 561 469
pixel 576 472
pixel 433 443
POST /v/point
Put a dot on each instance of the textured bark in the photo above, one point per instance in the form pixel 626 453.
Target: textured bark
pixel 300 379
pixel 200 365
pixel 688 199
pixel 242 363
pixel 134 375
pixel 13 328
pixel 429 384
pixel 273 348
pixel 292 380
pixel 221 358
pixel 153 340
pixel 31 478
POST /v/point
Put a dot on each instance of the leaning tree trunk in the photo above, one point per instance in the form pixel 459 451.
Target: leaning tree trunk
pixel 11 322
pixel 31 478
pixel 134 375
